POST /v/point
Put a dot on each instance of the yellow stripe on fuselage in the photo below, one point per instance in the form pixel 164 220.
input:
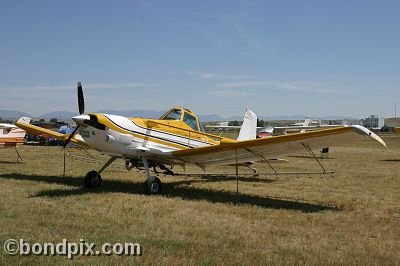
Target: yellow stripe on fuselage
pixel 105 121
pixel 178 128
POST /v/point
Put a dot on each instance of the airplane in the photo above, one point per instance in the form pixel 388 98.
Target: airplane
pixel 178 138
pixel 12 136
pixel 263 132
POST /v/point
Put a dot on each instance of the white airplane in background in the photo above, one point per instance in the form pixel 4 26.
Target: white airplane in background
pixel 305 126
pixel 11 136
pixel 178 138
pixel 278 130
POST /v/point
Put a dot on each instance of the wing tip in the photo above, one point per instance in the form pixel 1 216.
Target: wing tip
pixel 362 130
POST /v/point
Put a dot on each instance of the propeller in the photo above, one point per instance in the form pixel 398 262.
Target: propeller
pixel 81 106
pixel 70 136
pixel 81 100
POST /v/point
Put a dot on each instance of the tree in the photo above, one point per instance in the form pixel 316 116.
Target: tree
pixel 53 120
pixel 260 123
pixel 233 123
pixel 385 128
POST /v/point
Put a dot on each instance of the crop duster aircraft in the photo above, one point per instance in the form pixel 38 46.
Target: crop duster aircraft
pixel 178 138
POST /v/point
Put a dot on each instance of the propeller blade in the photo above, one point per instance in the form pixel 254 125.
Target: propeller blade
pixel 71 136
pixel 81 100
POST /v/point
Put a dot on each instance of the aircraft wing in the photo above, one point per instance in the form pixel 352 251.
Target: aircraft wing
pixel 273 147
pixel 35 130
pixel 4 125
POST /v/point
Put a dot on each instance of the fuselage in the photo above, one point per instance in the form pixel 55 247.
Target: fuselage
pixel 11 136
pixel 131 137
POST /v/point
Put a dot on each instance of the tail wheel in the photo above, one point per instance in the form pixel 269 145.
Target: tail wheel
pixel 152 185
pixel 92 179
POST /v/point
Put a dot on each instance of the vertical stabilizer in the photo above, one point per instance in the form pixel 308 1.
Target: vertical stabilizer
pixel 248 130
pixel 17 132
pixel 307 122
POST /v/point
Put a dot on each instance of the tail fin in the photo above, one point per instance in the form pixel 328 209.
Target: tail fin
pixel 17 132
pixel 307 122
pixel 25 120
pixel 248 129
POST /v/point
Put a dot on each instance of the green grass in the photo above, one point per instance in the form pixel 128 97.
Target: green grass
pixel 353 218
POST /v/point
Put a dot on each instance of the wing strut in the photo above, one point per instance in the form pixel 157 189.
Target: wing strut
pixel 237 177
pixel 262 158
pixel 18 155
pixel 310 151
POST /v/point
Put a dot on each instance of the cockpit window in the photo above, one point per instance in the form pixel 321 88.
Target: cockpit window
pixel 173 115
pixel 190 121
pixel 201 127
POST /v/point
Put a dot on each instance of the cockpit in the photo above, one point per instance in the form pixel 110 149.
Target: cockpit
pixel 185 115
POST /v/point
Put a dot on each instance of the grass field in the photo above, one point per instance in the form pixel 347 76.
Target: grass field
pixel 353 218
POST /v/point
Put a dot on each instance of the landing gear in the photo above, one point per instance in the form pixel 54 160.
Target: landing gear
pixel 92 179
pixel 152 185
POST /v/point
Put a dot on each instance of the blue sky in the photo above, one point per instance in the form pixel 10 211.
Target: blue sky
pixel 315 58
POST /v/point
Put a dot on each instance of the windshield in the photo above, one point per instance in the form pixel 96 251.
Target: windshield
pixel 190 121
pixel 201 127
pixel 173 115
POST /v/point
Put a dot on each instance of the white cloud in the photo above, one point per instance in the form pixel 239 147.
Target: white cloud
pixel 299 86
pixel 70 86
pixel 214 76
pixel 39 99
pixel 225 93
pixel 117 85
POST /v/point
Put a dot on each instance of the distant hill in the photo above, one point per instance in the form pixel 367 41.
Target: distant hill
pixel 8 114
pixel 302 117
pixel 66 115
pixel 210 118
pixel 134 113
pixel 156 114
pixel 59 115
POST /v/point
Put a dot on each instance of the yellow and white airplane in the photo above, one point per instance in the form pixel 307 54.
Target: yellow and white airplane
pixel 11 135
pixel 178 138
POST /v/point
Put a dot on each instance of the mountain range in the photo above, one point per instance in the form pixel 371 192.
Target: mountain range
pixel 66 115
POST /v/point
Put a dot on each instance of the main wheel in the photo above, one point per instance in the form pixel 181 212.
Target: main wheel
pixel 92 179
pixel 152 185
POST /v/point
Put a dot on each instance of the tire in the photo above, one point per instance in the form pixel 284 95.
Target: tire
pixel 92 179
pixel 152 185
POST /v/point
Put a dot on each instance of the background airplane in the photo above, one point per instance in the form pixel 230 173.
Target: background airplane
pixel 178 138
pixel 269 131
pixel 11 136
